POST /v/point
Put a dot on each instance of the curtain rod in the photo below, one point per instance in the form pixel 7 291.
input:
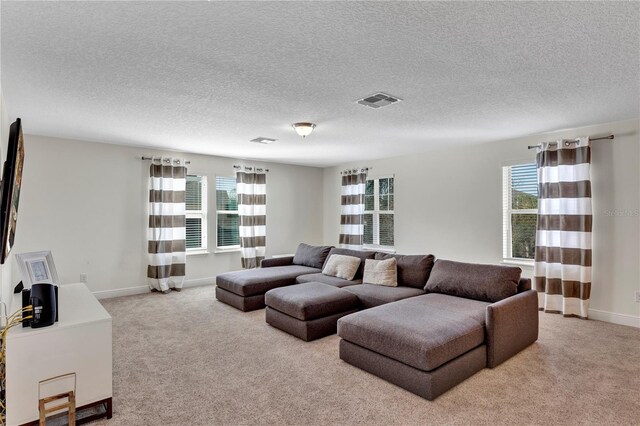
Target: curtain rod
pixel 249 168
pixel 166 160
pixel 571 140
pixel 349 171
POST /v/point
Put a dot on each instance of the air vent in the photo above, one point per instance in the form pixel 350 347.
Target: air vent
pixel 378 100
pixel 263 140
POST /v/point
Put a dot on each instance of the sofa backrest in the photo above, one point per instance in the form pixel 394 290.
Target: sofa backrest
pixel 488 283
pixel 312 256
pixel 362 254
pixel 413 269
pixel 524 284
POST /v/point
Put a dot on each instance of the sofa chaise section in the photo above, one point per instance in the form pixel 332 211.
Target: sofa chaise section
pixel 417 337
pixel 472 317
pixel 245 289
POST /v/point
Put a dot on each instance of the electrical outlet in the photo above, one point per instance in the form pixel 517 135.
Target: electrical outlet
pixel 83 278
pixel 637 296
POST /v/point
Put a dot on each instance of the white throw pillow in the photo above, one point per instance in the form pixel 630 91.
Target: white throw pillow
pixel 342 266
pixel 381 272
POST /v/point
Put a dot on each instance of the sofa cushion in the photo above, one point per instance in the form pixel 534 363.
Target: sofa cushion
pixel 341 266
pixel 326 279
pixel 381 272
pixel 251 282
pixel 488 283
pixel 311 256
pixel 363 255
pixel 413 269
pixel 309 301
pixel 371 295
pixel 423 332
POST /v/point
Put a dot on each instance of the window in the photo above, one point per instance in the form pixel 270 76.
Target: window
pixel 520 211
pixel 378 213
pixel 228 236
pixel 196 215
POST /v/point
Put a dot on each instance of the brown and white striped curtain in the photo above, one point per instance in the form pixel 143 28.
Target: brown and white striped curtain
pixel 563 238
pixel 167 224
pixel 252 209
pixel 352 214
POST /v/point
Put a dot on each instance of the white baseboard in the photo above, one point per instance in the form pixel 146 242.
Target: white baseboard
pixel 614 318
pixel 141 289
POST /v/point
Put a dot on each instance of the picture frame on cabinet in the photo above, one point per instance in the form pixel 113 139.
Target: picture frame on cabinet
pixel 37 267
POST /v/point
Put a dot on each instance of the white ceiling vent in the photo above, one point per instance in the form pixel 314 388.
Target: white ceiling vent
pixel 263 140
pixel 378 100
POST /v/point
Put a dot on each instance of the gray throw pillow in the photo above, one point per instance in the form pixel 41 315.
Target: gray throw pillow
pixel 488 283
pixel 311 256
pixel 381 272
pixel 413 269
pixel 341 266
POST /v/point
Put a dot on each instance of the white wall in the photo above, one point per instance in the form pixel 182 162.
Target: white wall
pixel 86 202
pixel 448 203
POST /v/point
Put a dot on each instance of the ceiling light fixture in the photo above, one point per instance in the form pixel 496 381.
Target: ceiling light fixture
pixel 303 129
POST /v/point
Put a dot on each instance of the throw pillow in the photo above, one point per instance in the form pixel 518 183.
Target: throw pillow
pixel 341 266
pixel 413 269
pixel 361 254
pixel 381 272
pixel 311 256
pixel 488 283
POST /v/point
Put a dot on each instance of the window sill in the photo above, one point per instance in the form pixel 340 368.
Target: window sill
pixel 380 249
pixel 197 252
pixel 519 262
pixel 227 250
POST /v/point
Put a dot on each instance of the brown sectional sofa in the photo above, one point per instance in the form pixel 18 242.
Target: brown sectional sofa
pixel 444 321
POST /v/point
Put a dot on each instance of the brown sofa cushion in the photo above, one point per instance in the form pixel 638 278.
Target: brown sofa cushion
pixel 311 256
pixel 363 255
pixel 371 295
pixel 488 283
pixel 326 279
pixel 413 269
pixel 423 332
pixel 250 282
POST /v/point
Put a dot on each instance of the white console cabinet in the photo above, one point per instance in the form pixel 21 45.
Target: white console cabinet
pixel 79 342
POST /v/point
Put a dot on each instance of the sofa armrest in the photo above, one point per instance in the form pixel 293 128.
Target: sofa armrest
pixel 276 261
pixel 512 325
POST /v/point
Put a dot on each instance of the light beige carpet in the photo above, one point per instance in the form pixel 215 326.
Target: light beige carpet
pixel 187 359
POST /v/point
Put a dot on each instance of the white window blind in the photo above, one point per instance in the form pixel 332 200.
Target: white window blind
pixel 228 221
pixel 196 214
pixel 379 202
pixel 520 211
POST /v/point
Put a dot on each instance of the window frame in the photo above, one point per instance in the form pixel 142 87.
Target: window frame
pixel 199 214
pixel 235 247
pixel 508 211
pixel 376 246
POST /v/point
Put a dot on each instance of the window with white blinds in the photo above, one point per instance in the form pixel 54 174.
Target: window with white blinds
pixel 520 211
pixel 378 215
pixel 228 221
pixel 196 212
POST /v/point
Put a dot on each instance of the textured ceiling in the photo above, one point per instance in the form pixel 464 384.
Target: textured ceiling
pixel 207 77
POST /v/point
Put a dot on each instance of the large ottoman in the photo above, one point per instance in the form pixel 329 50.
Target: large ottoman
pixel 308 311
